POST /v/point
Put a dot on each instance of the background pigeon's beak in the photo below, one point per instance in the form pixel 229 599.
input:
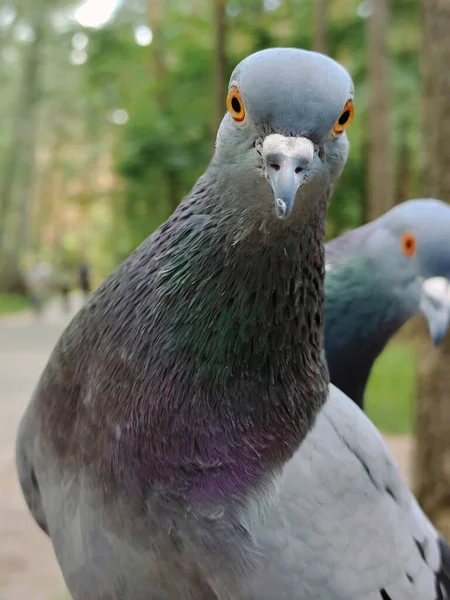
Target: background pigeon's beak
pixel 286 163
pixel 435 306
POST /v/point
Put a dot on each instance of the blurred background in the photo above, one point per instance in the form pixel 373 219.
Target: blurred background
pixel 109 113
pixel 110 109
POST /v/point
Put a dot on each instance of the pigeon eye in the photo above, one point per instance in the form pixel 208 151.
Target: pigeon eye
pixel 345 118
pixel 235 105
pixel 409 244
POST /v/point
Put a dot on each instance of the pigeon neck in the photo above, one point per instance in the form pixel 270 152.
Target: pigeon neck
pixel 212 348
pixel 361 315
pixel 239 324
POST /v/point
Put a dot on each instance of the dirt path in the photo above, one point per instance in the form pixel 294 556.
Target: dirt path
pixel 28 568
pixel 402 447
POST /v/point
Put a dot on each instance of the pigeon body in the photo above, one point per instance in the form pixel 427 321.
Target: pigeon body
pixel 182 442
pixel 377 277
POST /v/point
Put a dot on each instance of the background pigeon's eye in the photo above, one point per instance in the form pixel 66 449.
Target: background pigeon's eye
pixel 409 244
pixel 345 118
pixel 235 105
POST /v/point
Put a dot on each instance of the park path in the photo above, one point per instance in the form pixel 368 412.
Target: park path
pixel 28 568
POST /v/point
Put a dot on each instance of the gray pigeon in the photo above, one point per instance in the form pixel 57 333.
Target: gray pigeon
pixel 183 442
pixel 377 277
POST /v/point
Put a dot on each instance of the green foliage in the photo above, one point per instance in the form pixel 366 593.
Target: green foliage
pixel 167 140
pixel 12 303
pixel 166 144
pixel 391 390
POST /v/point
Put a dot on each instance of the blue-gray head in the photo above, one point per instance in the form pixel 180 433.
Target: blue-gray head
pixel 285 125
pixel 405 254
pixel 377 277
pixel 412 242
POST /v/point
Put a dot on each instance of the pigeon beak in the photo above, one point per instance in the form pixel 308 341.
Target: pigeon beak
pixel 286 163
pixel 435 306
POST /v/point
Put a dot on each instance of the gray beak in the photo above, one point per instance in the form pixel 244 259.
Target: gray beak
pixel 435 306
pixel 286 162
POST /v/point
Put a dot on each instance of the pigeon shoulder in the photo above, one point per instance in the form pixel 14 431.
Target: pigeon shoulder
pixel 353 529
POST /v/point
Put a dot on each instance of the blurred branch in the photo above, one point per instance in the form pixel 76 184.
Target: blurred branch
pixel 320 26
pixel 158 67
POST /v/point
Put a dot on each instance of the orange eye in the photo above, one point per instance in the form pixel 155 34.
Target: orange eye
pixel 345 119
pixel 409 244
pixel 235 106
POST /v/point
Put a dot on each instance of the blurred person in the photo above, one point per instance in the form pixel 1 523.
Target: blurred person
pixel 38 281
pixel 65 286
pixel 85 279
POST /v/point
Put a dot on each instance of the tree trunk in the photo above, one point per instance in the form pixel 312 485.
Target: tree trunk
pixel 22 150
pixel 379 162
pixel 432 460
pixel 26 189
pixel 59 186
pixel 10 169
pixel 220 64
pixel 157 63
pixel 159 72
pixel 402 188
pixel 320 26
pixel 45 214
pixel 436 98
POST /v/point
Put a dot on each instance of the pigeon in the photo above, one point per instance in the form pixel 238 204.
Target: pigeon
pixel 377 277
pixel 183 441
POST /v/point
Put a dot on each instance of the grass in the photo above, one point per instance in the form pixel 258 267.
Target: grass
pixel 391 390
pixel 12 303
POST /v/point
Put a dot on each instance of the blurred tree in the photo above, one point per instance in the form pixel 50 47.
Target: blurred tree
pixel 158 68
pixel 155 17
pixel 220 64
pixel 379 150
pixel 126 109
pixel 404 52
pixel 29 131
pixel 22 150
pixel 163 151
pixel 432 461
pixel 46 192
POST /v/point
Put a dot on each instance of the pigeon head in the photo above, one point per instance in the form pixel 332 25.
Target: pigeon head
pixel 287 111
pixel 413 243
pixel 216 321
pixel 377 277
